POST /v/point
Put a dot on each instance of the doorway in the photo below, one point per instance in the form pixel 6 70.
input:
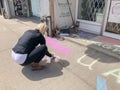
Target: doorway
pixel 112 26
pixel 90 15
pixel 35 8
pixel 20 7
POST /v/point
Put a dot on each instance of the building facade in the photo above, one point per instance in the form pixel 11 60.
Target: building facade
pixel 64 12
pixel 27 8
pixel 111 28
pixel 101 17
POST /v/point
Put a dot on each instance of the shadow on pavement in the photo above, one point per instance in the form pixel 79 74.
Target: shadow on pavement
pixel 51 70
pixel 100 56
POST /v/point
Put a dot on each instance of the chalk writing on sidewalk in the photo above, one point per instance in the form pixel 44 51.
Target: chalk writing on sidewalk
pixel 115 73
pixel 112 48
pixel 87 65
pixel 101 83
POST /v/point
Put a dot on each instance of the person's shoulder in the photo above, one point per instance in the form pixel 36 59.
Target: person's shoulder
pixel 35 32
pixel 29 31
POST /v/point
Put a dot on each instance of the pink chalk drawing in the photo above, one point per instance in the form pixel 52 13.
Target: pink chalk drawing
pixel 53 43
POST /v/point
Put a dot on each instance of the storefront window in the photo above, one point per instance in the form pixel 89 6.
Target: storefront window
pixel 113 23
pixel 20 7
pixel 91 10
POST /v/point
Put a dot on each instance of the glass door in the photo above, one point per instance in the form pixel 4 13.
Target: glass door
pixel 90 15
pixel 112 27
pixel 35 8
pixel 20 7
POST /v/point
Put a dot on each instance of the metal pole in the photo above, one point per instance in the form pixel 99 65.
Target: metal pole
pixel 28 10
pixel 52 16
pixel 70 12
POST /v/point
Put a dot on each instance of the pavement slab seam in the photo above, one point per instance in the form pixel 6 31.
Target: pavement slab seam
pixel 4 50
pixel 9 28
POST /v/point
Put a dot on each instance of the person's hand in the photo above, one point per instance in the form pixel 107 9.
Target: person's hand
pixel 53 54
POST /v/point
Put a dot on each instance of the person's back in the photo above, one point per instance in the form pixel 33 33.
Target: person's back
pixel 28 41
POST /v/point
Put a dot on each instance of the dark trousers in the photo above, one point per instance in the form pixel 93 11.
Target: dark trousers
pixel 36 55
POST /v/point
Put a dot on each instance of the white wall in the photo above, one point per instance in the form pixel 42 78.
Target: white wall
pixel 44 8
pixel 62 13
pixel 11 6
pixel 7 10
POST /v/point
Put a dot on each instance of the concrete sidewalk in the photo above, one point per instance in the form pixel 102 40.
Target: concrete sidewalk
pixel 56 76
pixel 102 44
pixel 69 74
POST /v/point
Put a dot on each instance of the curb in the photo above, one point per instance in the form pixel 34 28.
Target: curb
pixel 75 42
pixel 99 49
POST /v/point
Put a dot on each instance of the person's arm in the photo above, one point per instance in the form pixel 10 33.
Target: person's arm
pixel 43 42
pixel 49 54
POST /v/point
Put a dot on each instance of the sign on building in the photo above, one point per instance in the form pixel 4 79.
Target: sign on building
pixel 114 15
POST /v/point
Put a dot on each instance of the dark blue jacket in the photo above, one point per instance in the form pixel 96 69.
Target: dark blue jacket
pixel 28 41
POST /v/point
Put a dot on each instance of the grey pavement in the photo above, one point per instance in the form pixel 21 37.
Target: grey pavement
pixel 102 44
pixel 79 68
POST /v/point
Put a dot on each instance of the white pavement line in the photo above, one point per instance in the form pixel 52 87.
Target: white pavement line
pixel 78 61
